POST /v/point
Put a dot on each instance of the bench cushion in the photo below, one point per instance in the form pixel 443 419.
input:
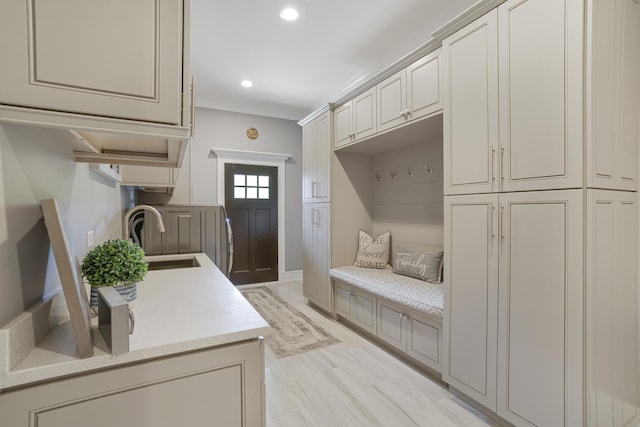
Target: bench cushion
pixel 421 296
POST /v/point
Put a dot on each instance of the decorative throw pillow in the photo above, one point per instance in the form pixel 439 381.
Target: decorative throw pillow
pixel 373 253
pixel 422 265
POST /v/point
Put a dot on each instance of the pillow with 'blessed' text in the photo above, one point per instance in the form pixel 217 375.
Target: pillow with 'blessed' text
pixel 373 253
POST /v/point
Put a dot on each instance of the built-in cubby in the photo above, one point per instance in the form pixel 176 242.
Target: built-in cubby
pixel 392 182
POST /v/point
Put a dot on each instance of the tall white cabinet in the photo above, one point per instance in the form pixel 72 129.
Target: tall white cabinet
pixel 316 260
pixel 541 316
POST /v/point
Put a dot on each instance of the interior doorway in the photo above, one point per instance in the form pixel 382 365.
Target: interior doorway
pixel 251 201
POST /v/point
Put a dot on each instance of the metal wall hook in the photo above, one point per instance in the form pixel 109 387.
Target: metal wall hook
pixel 393 175
pixel 428 168
pixel 410 172
pixel 378 177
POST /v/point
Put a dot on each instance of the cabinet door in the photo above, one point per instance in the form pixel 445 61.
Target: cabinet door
pixel 423 86
pixel 541 309
pixel 308 162
pixel 308 252
pixel 343 127
pixel 612 315
pixel 364 114
pixel 364 312
pixel 148 176
pixel 322 256
pixel 541 94
pixel 184 231
pixel 470 82
pixel 343 301
pixel 391 327
pixel 392 101
pixel 118 59
pixel 323 157
pixel 471 296
pixel 423 341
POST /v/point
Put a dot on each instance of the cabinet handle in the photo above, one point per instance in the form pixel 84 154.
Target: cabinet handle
pixel 493 209
pixel 314 217
pixel 314 189
pixel 403 114
pixel 502 163
pixel 193 106
pixel 502 221
pixel 407 113
pixel 493 156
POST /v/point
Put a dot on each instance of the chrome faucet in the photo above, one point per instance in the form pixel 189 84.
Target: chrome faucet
pixel 127 218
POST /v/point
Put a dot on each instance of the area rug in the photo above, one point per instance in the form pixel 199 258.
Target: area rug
pixel 291 331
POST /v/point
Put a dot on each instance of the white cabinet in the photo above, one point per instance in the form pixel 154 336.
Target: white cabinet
pixel 541 308
pixel 316 256
pixel 503 73
pixel 222 386
pixel 409 332
pixel 613 93
pixel 149 176
pixel 612 311
pixel 356 306
pixel 514 303
pixel 471 296
pixel 121 68
pixel 316 163
pixel 355 119
pixel 409 94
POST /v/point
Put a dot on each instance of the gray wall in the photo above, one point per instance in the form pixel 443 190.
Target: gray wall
pixel 222 129
pixel 36 166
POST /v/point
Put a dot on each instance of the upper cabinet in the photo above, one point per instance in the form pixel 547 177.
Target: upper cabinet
pixel 316 163
pixel 111 72
pixel 409 94
pixel 613 106
pixel 355 119
pixel 513 118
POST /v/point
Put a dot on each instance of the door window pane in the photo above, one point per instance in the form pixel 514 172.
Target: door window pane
pixel 238 192
pixel 238 179
pixel 263 193
pixel 252 180
pixel 263 181
pixel 252 193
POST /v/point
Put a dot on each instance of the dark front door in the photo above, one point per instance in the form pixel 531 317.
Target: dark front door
pixel 251 200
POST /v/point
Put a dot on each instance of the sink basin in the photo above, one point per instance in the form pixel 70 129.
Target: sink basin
pixel 170 264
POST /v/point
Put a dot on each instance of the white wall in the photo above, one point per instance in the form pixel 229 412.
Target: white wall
pixel 222 129
pixel 36 166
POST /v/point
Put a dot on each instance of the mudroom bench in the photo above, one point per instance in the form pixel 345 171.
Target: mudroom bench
pixel 401 312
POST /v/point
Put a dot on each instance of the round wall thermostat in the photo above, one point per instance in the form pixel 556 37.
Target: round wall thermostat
pixel 252 133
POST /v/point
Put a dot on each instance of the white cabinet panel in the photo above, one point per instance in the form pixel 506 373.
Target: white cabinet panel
pixel 392 101
pixel 148 176
pixel 118 59
pixel 342 119
pixel 342 302
pixel 364 115
pixel 541 94
pixel 612 314
pixel 471 296
pixel 316 163
pixel 356 306
pixel 470 81
pixel 424 341
pixel 316 283
pixel 391 326
pixel 540 346
pixel 364 312
pixel 423 86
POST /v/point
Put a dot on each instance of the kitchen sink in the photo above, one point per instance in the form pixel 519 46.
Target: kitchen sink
pixel 170 264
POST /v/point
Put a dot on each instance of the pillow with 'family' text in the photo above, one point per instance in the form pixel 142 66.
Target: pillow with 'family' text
pixel 423 265
pixel 373 253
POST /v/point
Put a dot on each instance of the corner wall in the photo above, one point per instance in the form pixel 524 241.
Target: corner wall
pixel 35 166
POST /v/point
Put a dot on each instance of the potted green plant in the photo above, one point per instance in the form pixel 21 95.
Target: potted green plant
pixel 119 263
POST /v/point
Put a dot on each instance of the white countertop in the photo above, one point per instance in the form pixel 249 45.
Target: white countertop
pixel 176 311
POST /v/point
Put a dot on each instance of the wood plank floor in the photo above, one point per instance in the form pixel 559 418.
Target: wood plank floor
pixel 353 383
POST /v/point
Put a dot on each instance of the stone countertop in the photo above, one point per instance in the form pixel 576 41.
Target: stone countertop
pixel 176 311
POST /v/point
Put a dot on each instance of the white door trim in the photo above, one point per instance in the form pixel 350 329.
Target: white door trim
pixel 258 158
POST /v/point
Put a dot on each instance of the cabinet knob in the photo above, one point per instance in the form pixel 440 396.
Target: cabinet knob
pixel 407 113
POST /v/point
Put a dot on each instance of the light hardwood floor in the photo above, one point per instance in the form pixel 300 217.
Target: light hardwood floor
pixel 353 383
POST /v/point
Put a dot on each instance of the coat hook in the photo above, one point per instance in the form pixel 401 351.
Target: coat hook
pixel 378 177
pixel 393 175
pixel 428 168
pixel 410 172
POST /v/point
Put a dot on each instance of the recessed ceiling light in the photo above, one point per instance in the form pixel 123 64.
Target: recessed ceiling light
pixel 289 14
pixel 247 83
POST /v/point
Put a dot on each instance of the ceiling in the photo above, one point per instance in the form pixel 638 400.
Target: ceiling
pixel 298 67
